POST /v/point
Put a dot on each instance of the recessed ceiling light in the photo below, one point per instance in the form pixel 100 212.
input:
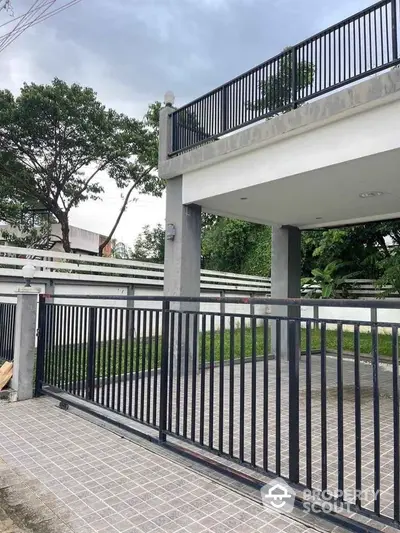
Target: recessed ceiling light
pixel 244 198
pixel 370 194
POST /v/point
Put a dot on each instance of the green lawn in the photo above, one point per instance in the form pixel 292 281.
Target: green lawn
pixel 113 358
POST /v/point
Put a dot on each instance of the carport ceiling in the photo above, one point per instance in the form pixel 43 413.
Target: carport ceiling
pixel 335 195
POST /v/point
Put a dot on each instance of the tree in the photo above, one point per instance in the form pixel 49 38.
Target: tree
pixel 150 245
pixel 328 282
pixel 62 138
pixel 6 5
pixel 276 92
pixel 363 248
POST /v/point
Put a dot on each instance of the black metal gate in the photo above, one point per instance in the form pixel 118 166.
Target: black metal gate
pixel 7 328
pixel 303 398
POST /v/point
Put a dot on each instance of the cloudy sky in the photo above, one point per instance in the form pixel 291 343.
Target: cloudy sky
pixel 132 51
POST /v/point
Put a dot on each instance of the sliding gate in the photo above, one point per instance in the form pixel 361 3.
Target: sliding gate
pixel 234 383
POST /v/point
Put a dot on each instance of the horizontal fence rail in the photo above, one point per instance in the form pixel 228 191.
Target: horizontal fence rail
pixel 7 328
pixel 359 46
pixel 60 267
pixel 274 393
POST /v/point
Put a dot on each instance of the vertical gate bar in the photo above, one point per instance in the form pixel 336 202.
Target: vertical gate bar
pixel 324 449
pixel 242 387
pixel 194 375
pixel 104 355
pixel 53 346
pixel 357 392
pixel 81 347
pixel 63 330
pixel 221 382
pixel 90 372
pixel 394 30
pixel 50 346
pixel 211 403
pixel 114 357
pixel 3 321
pixel 178 374
pixel 396 425
pixel 164 371
pixel 172 344
pixel 294 421
pixel 143 364
pixel 98 355
pixel 40 355
pixel 132 338
pixel 149 365
pixel 308 407
pixel 188 317
pixel 75 348
pixel 377 436
pixel 202 375
pixel 265 393
pixel 278 399
pixel 253 422
pixel 47 362
pixel 70 351
pixel 381 33
pixel 120 363
pixel 231 381
pixel 138 326
pixel 155 381
pixel 387 32
pixel 109 354
pixel 126 358
pixel 67 347
pixel 339 362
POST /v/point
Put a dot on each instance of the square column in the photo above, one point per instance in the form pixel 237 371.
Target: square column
pixel 182 267
pixel 182 246
pixel 24 343
pixel 285 279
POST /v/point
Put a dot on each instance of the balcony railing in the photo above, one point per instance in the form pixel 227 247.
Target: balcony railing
pixel 357 47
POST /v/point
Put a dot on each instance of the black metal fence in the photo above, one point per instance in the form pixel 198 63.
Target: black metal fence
pixel 359 46
pixel 7 328
pixel 318 406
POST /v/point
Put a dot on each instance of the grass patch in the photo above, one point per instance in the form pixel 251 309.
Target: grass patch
pixel 121 357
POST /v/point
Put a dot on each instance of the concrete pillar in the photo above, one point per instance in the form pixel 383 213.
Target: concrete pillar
pixel 182 257
pixel 24 343
pixel 182 246
pixel 165 133
pixel 285 278
pixel 130 304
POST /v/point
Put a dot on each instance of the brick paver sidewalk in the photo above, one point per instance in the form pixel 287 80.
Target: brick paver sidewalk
pixel 61 473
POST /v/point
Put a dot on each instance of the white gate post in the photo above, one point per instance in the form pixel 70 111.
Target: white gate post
pixel 24 343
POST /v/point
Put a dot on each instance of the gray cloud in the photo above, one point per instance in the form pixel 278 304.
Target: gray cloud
pixel 136 49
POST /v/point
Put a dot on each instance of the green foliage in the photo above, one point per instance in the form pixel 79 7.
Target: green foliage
pixel 258 260
pixel 150 245
pixel 328 282
pixel 276 92
pixel 61 138
pixel 389 282
pixel 236 246
pixel 360 248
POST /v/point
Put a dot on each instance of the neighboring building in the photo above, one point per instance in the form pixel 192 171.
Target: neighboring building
pixel 82 241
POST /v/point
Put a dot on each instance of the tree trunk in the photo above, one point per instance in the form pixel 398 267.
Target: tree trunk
pixel 64 223
pixel 118 219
